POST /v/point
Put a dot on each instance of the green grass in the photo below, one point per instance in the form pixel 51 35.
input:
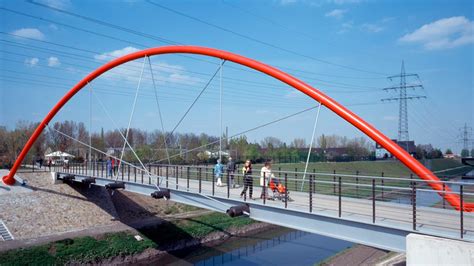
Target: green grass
pixel 190 228
pixel 89 249
pixel 79 250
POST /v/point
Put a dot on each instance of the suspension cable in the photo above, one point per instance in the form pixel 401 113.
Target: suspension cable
pixel 118 129
pixel 159 111
pixel 220 110
pixel 310 146
pixel 131 116
pixel 134 166
pixel 243 132
pixel 90 122
pixel 196 99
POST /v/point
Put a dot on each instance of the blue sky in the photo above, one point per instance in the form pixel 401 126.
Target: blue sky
pixel 349 47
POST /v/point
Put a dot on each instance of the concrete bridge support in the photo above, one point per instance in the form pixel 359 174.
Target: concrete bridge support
pixel 430 250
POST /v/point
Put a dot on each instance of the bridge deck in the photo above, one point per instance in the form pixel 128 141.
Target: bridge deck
pixel 429 220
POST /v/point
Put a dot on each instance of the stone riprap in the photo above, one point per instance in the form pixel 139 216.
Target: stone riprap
pixel 51 209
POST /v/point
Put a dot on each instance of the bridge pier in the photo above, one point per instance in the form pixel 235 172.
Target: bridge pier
pixel 430 250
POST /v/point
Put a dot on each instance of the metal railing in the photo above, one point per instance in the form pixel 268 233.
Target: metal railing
pixel 404 200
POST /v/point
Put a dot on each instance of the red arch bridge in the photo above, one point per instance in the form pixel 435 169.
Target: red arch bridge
pixel 363 215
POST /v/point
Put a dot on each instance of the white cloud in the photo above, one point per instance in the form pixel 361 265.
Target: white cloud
pixel 374 28
pixel 116 53
pixel 53 61
pixel 336 13
pixel 53 27
pixel 31 62
pixel 61 4
pixel 130 72
pixel 342 2
pixel 31 33
pixel 443 34
pixel 287 2
pixel 346 26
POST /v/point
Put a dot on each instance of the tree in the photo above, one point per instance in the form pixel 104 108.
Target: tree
pixel 448 151
pixel 465 153
pixel 472 152
pixel 298 143
pixel 271 143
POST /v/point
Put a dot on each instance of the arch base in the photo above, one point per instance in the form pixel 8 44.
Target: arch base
pixel 7 180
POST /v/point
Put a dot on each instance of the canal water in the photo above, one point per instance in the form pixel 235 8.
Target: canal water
pixel 274 247
pixel 279 246
pixel 429 197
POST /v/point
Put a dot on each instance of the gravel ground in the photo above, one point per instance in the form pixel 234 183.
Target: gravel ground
pixel 52 209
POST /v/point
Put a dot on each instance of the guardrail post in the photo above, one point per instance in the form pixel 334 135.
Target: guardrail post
pixel 340 197
pixel 413 203
pixel 141 171
pixel 444 194
pixel 121 169
pixel 296 179
pixel 187 177
pixel 461 210
pixel 382 183
pixel 213 182
pixel 286 190
pixel 135 173
pixel 200 180
pixel 264 192
pixel 176 173
pixel 357 183
pixel 228 185
pixel 310 193
pixel 373 200
pixel 167 175
pixel 128 172
pixel 334 182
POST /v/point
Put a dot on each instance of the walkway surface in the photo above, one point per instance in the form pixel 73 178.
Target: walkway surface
pixel 429 220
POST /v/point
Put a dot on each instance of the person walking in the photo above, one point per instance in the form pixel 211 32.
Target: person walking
pixel 112 165
pixel 231 172
pixel 218 172
pixel 265 175
pixel 248 180
pixel 109 167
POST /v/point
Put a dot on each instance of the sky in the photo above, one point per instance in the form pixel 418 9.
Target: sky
pixel 345 48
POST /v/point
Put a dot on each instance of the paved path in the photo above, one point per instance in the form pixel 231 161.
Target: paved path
pixel 429 220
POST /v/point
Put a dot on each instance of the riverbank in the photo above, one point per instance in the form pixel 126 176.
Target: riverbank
pixel 122 248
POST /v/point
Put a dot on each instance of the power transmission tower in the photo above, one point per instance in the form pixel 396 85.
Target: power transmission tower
pixel 466 133
pixel 403 98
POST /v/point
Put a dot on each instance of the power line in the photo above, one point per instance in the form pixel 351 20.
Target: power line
pixel 465 136
pixel 186 56
pixel 257 40
pixel 104 23
pixel 402 99
pixel 324 82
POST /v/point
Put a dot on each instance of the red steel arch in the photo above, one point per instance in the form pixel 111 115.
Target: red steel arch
pixel 317 95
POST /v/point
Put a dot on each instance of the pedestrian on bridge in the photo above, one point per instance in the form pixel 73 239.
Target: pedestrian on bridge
pixel 109 167
pixel 248 181
pixel 265 175
pixel 218 172
pixel 231 172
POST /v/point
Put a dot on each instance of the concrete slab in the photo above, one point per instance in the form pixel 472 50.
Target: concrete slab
pixel 429 250
pixel 17 188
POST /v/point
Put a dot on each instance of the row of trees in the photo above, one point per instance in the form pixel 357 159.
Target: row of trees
pixel 182 148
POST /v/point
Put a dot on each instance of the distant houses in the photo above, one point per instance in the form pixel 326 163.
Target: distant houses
pixel 381 153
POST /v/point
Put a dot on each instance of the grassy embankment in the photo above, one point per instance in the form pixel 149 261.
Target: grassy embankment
pixel 350 187
pixel 90 249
